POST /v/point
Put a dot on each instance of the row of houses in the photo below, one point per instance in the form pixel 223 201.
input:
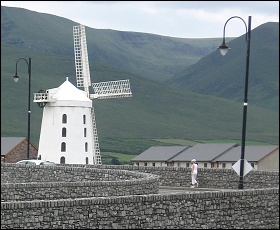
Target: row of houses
pixel 209 155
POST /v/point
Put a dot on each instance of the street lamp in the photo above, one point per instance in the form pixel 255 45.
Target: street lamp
pixel 223 49
pixel 16 78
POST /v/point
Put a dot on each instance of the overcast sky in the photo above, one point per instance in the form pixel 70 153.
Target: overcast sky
pixel 183 19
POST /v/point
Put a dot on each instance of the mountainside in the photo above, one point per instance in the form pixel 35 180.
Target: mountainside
pixel 156 110
pixel 147 55
pixel 224 76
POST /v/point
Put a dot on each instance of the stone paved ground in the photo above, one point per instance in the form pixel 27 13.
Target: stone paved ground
pixel 167 189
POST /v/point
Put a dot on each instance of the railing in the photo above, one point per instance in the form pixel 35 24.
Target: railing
pixel 42 97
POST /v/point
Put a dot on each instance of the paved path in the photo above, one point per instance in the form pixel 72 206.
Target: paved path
pixel 169 189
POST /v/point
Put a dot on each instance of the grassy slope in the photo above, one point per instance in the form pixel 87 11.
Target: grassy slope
pixel 155 111
pixel 147 55
pixel 224 76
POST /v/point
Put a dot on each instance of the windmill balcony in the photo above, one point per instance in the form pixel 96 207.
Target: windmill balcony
pixel 43 97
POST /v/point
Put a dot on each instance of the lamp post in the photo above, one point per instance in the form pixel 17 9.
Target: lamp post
pixel 223 49
pixel 16 78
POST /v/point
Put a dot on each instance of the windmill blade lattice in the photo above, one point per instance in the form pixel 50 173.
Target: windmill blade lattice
pixel 111 89
pixel 81 58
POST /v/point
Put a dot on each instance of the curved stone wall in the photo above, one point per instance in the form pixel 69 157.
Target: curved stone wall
pixel 17 173
pixel 249 208
pixel 28 182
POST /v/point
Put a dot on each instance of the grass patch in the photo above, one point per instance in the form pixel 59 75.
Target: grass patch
pixel 113 158
pixel 177 141
pixel 234 141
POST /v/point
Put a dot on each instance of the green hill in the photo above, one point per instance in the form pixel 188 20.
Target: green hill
pixel 224 76
pixel 147 55
pixel 157 110
pixel 154 111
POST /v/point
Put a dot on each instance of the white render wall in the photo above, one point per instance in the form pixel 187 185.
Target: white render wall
pixel 51 135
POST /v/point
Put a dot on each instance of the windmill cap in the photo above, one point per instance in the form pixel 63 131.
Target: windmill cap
pixel 193 160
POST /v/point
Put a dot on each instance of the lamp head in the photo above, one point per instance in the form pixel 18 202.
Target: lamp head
pixel 16 77
pixel 223 48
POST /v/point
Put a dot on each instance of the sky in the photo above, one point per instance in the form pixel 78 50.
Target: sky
pixel 182 19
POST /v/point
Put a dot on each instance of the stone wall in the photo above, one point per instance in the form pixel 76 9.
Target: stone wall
pixel 59 182
pixel 207 177
pixel 228 209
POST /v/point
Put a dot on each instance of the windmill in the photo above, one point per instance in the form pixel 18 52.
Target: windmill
pixel 65 106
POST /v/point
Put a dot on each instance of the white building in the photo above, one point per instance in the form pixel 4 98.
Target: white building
pixel 158 155
pixel 66 131
pixel 260 157
pixel 210 155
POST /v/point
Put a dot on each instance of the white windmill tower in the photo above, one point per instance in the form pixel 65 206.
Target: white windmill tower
pixel 68 131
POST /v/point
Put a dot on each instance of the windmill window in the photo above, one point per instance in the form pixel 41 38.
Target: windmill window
pixel 84 119
pixel 63 147
pixel 87 160
pixel 64 118
pixel 85 132
pixel 63 132
pixel 86 146
pixel 62 160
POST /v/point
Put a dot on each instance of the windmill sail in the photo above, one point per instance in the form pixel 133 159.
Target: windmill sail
pixel 102 90
pixel 81 58
pixel 95 147
pixel 111 89
pixel 83 80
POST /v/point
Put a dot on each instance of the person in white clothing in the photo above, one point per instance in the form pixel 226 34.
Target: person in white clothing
pixel 194 173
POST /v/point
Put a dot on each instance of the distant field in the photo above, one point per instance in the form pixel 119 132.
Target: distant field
pixel 177 141
pixel 233 141
pixel 192 143
pixel 115 158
